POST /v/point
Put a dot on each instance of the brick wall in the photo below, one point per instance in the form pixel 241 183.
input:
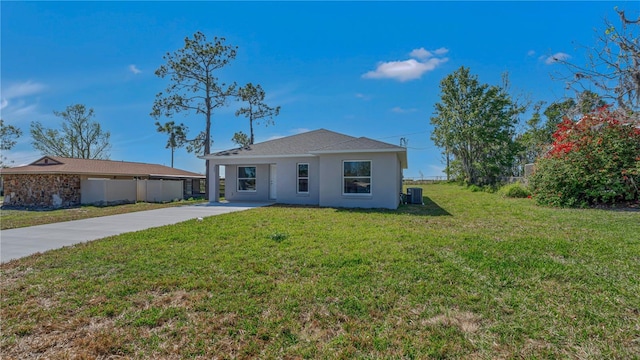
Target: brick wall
pixel 42 191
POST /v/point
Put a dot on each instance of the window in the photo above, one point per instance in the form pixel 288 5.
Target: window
pixel 303 178
pixel 356 177
pixel 188 187
pixel 246 178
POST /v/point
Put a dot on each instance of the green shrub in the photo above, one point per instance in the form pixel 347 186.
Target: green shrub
pixel 594 161
pixel 474 188
pixel 490 188
pixel 485 188
pixel 515 190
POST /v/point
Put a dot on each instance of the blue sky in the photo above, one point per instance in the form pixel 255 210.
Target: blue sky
pixel 361 68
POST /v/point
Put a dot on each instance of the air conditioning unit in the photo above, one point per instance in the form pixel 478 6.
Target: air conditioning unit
pixel 414 196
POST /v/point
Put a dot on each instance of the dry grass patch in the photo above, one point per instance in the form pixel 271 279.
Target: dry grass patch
pixel 465 321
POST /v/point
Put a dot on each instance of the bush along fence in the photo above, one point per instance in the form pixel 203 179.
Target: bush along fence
pixel 593 161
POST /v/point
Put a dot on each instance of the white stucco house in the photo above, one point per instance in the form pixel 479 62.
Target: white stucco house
pixel 319 167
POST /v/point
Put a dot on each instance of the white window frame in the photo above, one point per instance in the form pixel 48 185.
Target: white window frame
pixel 247 178
pixel 344 178
pixel 298 178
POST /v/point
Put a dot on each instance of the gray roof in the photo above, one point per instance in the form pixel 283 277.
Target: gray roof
pixel 319 141
pixel 357 144
pixel 299 144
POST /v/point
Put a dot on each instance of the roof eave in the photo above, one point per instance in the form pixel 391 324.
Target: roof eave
pixel 230 156
pixel 352 151
pixel 59 172
pixel 178 176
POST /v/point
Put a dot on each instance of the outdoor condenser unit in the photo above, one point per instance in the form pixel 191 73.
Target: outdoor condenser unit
pixel 414 195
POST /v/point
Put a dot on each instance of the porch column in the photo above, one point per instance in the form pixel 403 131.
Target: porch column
pixel 214 187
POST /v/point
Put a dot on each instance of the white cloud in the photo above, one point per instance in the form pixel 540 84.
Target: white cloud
pixel 403 70
pixel 531 53
pixel 134 69
pixel 21 109
pixel 441 51
pixel 399 110
pixel 420 54
pixel 363 96
pixel 410 69
pixel 424 54
pixel 15 102
pixel 555 58
pixel 22 89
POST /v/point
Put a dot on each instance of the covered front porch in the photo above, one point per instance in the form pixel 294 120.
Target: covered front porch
pixel 254 182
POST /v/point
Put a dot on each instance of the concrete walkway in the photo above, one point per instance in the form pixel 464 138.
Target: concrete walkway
pixel 17 243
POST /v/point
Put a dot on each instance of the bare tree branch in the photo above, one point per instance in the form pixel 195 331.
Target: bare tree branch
pixel 613 65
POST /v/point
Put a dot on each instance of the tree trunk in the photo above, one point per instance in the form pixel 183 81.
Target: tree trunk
pixel 251 130
pixel 207 144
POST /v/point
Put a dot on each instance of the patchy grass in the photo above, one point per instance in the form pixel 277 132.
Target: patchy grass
pixel 11 219
pixel 469 275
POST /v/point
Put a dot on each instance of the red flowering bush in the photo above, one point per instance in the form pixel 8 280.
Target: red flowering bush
pixel 593 161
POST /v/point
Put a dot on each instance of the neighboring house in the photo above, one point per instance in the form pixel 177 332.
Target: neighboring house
pixel 61 182
pixel 319 167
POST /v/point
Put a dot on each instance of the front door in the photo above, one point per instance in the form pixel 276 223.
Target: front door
pixel 272 182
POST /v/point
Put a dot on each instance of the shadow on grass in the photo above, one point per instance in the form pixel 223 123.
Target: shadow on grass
pixel 430 208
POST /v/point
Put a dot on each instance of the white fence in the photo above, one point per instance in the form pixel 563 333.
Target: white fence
pixel 106 191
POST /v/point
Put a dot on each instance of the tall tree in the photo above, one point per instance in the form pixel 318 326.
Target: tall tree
pixel 613 64
pixel 177 135
pixel 8 135
pixel 194 85
pixel 476 124
pixel 80 136
pixel 255 109
pixel 8 138
pixel 536 140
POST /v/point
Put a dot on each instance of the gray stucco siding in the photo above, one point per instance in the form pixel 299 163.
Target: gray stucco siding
pixel 385 186
pixel 325 179
pixel 287 181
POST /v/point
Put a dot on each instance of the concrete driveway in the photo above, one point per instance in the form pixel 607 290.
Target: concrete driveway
pixel 17 243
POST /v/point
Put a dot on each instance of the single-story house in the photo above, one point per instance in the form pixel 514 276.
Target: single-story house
pixel 52 181
pixel 319 167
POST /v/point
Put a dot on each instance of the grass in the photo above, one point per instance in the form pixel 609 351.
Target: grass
pixel 469 275
pixel 11 219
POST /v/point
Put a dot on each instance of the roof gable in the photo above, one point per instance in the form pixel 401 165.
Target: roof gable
pixel 46 160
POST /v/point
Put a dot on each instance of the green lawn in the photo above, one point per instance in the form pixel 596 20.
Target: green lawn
pixel 11 219
pixel 469 275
